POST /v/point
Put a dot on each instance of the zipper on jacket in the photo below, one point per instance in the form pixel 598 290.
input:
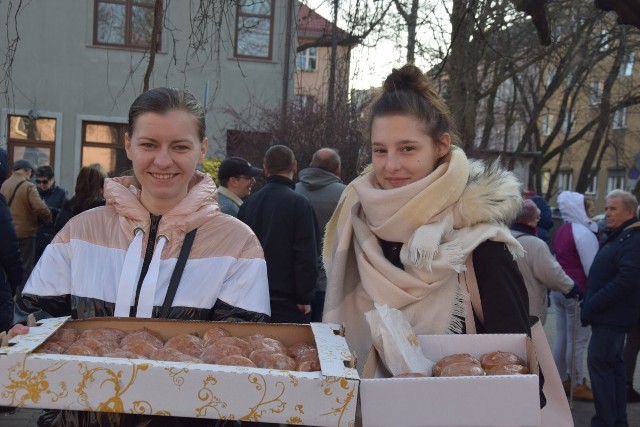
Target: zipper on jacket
pixel 148 254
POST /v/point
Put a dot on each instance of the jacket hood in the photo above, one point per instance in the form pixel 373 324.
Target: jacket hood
pixel 571 206
pixel 492 195
pixel 316 178
pixel 199 205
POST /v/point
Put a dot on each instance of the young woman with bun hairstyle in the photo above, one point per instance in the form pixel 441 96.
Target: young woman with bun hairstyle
pixel 406 230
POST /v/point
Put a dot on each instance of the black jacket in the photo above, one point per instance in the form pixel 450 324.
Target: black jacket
pixel 286 226
pixel 55 198
pixel 11 263
pixel 612 299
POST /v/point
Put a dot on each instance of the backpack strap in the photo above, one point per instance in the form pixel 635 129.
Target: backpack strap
pixel 15 190
pixel 177 273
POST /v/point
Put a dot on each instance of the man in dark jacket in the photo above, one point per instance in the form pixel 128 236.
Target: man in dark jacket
pixel 320 183
pixel 11 264
pixel 286 227
pixel 612 306
pixel 54 197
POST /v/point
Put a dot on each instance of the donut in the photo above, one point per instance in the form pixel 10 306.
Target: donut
pixel 300 347
pixel 170 354
pixel 508 370
pixel 139 346
pixel 65 336
pixel 258 356
pixel 279 361
pixel 212 334
pixel 50 347
pixel 104 334
pixel 142 334
pixel 216 351
pixel 454 358
pixel 498 358
pixel 237 342
pixel 122 354
pixel 236 360
pixel 186 343
pixel 461 369
pixel 79 349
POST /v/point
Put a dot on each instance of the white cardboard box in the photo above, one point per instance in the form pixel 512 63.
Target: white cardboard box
pixel 497 401
pixel 326 398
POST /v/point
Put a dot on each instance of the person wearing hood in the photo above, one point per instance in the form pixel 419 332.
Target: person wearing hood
pixel 539 268
pixel 119 259
pixel 575 245
pixel 408 231
pixel 320 183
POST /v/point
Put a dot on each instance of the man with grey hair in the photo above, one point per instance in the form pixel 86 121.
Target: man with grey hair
pixel 612 306
pixel 320 183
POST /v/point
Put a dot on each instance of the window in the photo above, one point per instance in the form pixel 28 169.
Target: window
pixel 547 124
pixel 615 179
pixel 593 187
pixel 254 28
pixel 546 178
pixel 303 102
pixel 32 139
pixel 603 41
pixel 308 59
pixel 104 143
pixel 126 23
pixel 626 68
pixel 568 122
pixel 565 179
pixel 595 92
pixel 620 119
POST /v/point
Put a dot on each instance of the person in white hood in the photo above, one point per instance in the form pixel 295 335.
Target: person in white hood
pixel 575 245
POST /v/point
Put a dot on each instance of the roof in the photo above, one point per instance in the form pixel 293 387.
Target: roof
pixel 311 25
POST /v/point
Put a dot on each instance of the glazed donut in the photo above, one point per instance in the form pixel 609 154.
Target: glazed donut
pixel 104 334
pixel 308 366
pixel 216 351
pixel 299 348
pixel 258 356
pixel 212 334
pixel 269 343
pixel 436 371
pixel 139 346
pixel 50 347
pixel 461 369
pixel 237 342
pixel 100 347
pixel 144 335
pixel 186 343
pixel 236 360
pixel 279 361
pixel 170 354
pixel 79 349
pixel 508 370
pixel 498 358
pixel 65 336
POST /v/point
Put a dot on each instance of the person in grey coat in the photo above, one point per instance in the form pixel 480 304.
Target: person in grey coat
pixel 321 184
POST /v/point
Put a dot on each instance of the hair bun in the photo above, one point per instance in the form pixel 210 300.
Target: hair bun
pixel 409 77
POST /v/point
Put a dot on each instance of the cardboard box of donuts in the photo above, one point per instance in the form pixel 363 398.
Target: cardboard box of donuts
pixel 293 374
pixel 475 395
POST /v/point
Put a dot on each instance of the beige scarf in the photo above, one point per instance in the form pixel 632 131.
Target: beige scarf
pixel 439 220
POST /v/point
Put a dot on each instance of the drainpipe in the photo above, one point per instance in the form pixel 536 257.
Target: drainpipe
pixel 287 66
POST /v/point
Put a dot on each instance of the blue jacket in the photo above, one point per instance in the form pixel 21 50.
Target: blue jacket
pixel 613 287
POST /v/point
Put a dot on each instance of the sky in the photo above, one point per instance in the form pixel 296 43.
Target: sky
pixel 369 66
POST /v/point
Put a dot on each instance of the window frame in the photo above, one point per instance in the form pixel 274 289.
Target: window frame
pixel 619 119
pixel 626 68
pixel 122 129
pixel 306 56
pixel 615 176
pixel 547 124
pixel 592 190
pixel 565 175
pixel 53 146
pixel 271 16
pixel 128 25
pixel 596 87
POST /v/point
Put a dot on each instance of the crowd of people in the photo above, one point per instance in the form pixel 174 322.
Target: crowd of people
pixel 421 229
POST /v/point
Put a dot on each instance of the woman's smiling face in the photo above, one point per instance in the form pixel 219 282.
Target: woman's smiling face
pixel 165 150
pixel 402 152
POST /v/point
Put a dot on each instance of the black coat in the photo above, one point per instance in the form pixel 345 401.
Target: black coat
pixel 287 229
pixel 11 263
pixel 55 198
pixel 612 299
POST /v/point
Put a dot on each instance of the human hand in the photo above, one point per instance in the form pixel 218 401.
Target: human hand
pixel 304 308
pixel 17 330
pixel 575 293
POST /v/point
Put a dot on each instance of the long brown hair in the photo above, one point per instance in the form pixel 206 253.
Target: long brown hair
pixel 89 185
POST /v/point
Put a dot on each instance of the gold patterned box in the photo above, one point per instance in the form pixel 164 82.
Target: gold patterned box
pixel 497 400
pixel 198 390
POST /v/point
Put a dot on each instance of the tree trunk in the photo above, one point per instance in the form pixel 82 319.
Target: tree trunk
pixel 153 47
